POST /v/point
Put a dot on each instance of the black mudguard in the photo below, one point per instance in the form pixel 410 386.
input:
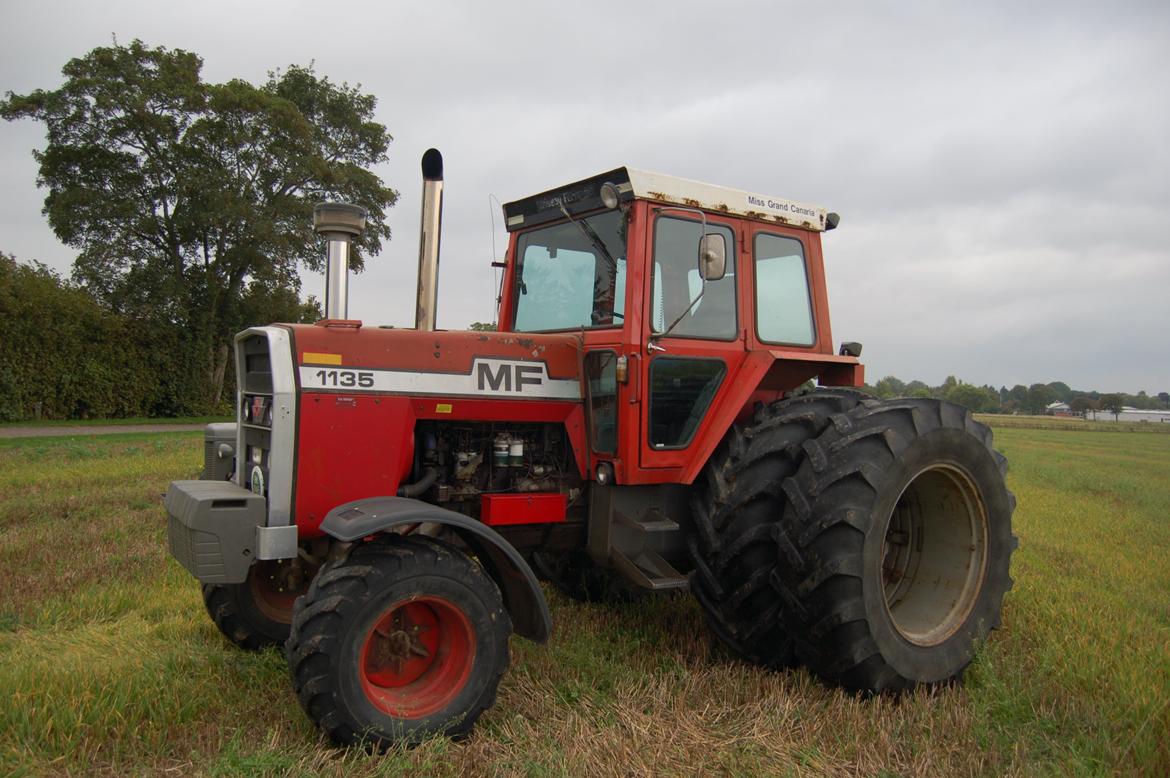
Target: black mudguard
pixel 522 593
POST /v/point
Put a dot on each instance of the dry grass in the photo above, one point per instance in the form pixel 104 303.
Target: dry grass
pixel 110 665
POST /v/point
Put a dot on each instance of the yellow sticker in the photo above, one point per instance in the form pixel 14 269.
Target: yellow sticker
pixel 312 357
pixel 443 408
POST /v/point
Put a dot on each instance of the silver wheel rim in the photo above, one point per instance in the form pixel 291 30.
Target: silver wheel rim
pixel 934 554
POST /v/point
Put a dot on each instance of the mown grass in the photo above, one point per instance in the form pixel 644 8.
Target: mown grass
pixel 108 664
pixel 116 422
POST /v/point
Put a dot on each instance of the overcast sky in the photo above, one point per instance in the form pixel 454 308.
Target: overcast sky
pixel 1002 170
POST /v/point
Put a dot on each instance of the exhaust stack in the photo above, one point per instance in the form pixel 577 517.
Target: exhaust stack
pixel 428 242
pixel 339 223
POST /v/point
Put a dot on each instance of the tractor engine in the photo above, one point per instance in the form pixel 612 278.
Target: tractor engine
pixel 463 463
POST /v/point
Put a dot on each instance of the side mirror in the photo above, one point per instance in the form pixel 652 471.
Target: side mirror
pixel 712 257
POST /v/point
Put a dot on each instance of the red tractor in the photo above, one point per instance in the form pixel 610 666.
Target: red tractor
pixel 640 422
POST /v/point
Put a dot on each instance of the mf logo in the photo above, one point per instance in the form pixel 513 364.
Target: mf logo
pixel 507 376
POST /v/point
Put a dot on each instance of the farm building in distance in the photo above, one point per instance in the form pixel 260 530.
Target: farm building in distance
pixel 1131 414
pixel 1127 414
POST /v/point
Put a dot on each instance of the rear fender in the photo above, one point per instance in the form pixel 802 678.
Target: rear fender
pixel 523 596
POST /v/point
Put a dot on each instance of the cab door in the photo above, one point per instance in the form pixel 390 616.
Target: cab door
pixel 694 335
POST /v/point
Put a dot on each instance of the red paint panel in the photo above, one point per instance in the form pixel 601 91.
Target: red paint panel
pixel 535 508
pixel 435 352
pixel 349 447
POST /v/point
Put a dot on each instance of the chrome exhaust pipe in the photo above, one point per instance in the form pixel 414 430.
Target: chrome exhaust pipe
pixel 428 242
pixel 339 223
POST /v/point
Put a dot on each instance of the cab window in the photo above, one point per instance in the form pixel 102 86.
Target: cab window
pixel 675 282
pixel 783 309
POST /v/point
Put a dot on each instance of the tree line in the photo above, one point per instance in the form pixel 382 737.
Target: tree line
pixel 64 354
pixel 1033 399
pixel 190 207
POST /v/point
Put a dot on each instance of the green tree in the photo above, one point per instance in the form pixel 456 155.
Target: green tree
pixel 978 399
pixel 889 387
pixel 1061 391
pixel 1038 398
pixel 965 394
pixel 482 326
pixel 1112 403
pixel 1082 405
pixel 181 197
pixel 62 355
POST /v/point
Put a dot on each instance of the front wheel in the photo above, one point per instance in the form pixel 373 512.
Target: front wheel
pixel 257 613
pixel 405 638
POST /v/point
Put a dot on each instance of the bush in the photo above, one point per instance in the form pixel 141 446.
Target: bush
pixel 60 349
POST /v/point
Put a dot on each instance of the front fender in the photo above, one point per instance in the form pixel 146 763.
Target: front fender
pixel 523 596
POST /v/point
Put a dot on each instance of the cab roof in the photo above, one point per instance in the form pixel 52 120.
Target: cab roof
pixel 633 184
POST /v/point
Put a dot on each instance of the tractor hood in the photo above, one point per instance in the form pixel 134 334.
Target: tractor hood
pixel 346 358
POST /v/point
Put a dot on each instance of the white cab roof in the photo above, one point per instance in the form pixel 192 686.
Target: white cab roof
pixel 645 185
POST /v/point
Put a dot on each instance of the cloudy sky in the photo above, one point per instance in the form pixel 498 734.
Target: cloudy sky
pixel 1002 169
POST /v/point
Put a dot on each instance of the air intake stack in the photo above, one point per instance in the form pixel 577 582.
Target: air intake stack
pixel 339 223
pixel 428 243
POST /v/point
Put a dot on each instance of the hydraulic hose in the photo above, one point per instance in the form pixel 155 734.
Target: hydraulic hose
pixel 430 475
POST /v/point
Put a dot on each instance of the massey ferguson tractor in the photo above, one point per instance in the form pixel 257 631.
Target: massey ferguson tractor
pixel 642 422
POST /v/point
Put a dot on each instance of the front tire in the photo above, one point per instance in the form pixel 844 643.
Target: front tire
pixel 404 639
pixel 256 614
pixel 897 540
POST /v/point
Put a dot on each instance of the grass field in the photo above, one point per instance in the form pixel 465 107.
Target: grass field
pixel 116 422
pixel 109 665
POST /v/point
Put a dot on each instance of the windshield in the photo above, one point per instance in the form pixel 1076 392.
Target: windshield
pixel 564 281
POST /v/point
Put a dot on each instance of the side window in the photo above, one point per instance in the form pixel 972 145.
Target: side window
pixel 601 374
pixel 675 282
pixel 681 389
pixel 783 309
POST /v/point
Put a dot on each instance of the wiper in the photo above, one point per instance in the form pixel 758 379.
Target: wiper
pixel 589 233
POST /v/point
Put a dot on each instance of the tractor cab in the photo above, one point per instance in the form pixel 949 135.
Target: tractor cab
pixel 693 302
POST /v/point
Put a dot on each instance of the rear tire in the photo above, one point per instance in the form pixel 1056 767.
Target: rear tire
pixel 896 540
pixel 404 639
pixel 739 501
pixel 255 614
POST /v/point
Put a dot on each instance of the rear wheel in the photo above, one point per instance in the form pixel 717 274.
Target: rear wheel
pixel 257 613
pixel 897 541
pixel 405 638
pixel 735 510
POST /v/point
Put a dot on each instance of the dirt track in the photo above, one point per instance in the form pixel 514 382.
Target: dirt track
pixel 79 430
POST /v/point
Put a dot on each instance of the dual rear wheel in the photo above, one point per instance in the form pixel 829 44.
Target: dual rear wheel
pixel 868 540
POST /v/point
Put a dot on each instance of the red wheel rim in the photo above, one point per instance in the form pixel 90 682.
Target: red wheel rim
pixel 273 591
pixel 417 657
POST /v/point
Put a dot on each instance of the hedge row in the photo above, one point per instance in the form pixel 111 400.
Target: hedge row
pixel 63 356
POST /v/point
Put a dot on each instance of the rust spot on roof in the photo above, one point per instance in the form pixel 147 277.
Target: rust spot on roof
pixel 692 202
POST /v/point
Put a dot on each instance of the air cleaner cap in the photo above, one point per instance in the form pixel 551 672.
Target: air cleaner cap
pixel 339 217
